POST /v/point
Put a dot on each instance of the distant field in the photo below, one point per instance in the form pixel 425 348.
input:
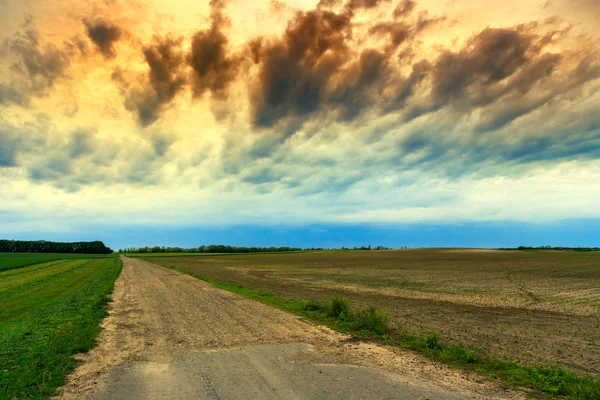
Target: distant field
pixel 18 260
pixel 150 255
pixel 48 311
pixel 526 306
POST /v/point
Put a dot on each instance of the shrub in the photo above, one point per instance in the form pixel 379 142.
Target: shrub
pixel 313 305
pixel 339 308
pixel 432 341
pixel 373 319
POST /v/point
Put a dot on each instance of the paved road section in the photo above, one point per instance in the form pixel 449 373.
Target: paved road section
pixel 171 336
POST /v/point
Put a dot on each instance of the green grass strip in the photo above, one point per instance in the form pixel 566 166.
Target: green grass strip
pixel 48 322
pixel 10 261
pixel 551 382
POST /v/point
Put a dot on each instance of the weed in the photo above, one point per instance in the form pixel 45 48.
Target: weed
pixel 339 307
pixel 432 341
pixel 313 305
pixel 372 319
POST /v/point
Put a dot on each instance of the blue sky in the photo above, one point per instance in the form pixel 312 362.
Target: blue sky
pixel 499 234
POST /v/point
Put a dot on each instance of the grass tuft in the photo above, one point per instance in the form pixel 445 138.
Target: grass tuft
pixel 339 308
pixel 372 319
pixel 313 305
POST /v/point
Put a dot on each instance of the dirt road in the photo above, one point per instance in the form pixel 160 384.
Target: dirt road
pixel 171 336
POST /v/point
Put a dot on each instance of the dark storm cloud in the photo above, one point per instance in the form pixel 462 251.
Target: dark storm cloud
pixel 313 68
pixel 398 32
pixel 166 78
pixel 36 67
pixel 491 56
pixel 506 72
pixel 468 97
pixel 404 8
pixel 43 64
pixel 366 75
pixel 403 29
pixel 213 67
pixel 296 69
pixel 407 87
pixel 104 34
pixel 365 4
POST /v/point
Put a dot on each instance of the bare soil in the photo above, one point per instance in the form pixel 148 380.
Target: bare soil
pixel 169 335
pixel 524 306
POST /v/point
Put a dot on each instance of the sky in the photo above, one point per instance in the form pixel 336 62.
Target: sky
pixel 305 123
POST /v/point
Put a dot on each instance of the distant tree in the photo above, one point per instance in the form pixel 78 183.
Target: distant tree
pixel 43 246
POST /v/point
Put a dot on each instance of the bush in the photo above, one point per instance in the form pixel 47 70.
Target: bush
pixel 313 305
pixel 432 341
pixel 339 308
pixel 373 319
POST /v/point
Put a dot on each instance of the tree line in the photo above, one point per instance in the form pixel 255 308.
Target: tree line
pixel 213 248
pixel 221 248
pixel 553 248
pixel 43 246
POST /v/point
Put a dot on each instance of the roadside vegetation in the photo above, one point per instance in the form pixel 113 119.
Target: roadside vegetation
pixel 549 380
pixel 371 323
pixel 49 311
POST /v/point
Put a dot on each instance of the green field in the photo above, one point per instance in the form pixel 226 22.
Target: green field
pixel 48 312
pixel 18 260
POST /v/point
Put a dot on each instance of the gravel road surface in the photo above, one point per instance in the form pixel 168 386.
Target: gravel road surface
pixel 171 336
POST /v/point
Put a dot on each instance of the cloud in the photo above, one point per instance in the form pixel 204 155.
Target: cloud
pixel 364 4
pixel 315 70
pixel 398 32
pixel 149 97
pixel 294 71
pixel 82 157
pixel 53 168
pixel 490 56
pixel 10 94
pixel 104 35
pixel 36 66
pixel 354 93
pixel 505 72
pixel 8 149
pixel 18 144
pixel 351 99
pixel 81 142
pixel 213 67
pixel 404 8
